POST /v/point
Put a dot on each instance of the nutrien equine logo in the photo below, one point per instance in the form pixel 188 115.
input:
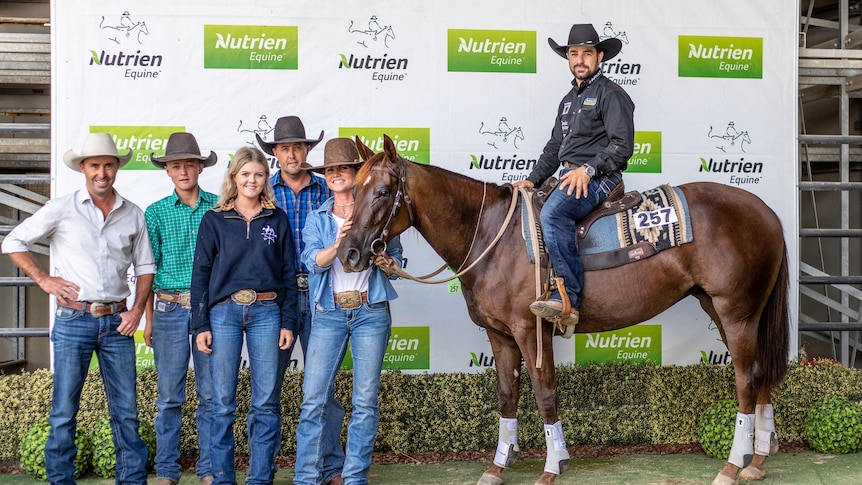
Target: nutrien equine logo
pixel 492 51
pixel 632 344
pixel 125 36
pixel 142 140
pixel 414 144
pixel 647 154
pixel 251 47
pixel 409 348
pixel 369 51
pixel 619 69
pixel 724 57
pixel 502 139
pixel 731 141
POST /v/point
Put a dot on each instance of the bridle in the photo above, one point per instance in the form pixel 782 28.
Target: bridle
pixel 379 245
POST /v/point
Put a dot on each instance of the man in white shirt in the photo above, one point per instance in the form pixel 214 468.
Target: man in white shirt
pixel 95 236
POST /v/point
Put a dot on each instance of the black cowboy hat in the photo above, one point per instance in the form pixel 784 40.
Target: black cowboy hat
pixel 337 152
pixel 183 146
pixel 288 129
pixel 586 35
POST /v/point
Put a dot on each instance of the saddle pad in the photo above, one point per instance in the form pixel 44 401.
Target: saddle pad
pixel 661 219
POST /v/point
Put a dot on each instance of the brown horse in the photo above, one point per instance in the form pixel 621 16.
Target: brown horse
pixel 736 267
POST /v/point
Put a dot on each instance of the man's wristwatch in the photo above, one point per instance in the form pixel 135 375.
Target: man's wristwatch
pixel 589 170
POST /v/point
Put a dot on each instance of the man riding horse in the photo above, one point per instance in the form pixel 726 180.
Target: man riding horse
pixel 592 138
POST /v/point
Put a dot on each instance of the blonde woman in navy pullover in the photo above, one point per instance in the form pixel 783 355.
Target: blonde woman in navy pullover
pixel 244 282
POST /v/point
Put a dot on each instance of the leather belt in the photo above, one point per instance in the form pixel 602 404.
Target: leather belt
pixel 302 281
pixel 98 309
pixel 183 298
pixel 350 300
pixel 247 297
pixel 570 165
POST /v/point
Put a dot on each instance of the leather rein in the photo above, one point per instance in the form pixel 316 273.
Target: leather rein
pixel 379 244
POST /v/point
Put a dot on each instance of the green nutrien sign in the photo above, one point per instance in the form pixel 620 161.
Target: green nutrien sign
pixel 142 140
pixel 492 51
pixel 414 144
pixel 143 354
pixel 250 47
pixel 725 57
pixel 409 348
pixel 647 153
pixel 631 344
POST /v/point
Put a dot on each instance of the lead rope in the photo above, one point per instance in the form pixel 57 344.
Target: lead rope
pixel 403 274
pixel 534 240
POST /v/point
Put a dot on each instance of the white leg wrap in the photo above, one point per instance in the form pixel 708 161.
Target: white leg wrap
pixel 507 443
pixel 742 450
pixel 765 439
pixel 558 456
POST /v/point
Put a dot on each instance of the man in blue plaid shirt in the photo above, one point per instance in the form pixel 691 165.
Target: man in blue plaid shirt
pixel 297 192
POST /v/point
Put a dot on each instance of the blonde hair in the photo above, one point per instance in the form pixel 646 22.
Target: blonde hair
pixel 243 156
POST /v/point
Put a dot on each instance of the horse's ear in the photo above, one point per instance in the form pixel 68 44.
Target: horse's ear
pixel 389 147
pixel 364 152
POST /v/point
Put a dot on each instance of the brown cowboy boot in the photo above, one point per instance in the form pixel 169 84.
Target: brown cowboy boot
pixel 552 311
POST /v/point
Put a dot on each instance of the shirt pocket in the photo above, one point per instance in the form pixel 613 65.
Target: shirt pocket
pixel 587 121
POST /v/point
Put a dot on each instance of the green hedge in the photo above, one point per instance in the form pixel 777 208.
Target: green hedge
pixel 599 404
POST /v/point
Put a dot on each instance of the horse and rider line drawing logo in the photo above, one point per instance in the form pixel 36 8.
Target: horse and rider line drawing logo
pixel 732 139
pixel 374 32
pixel 125 29
pixel 504 133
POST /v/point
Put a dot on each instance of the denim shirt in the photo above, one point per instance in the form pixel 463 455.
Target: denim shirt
pixel 320 232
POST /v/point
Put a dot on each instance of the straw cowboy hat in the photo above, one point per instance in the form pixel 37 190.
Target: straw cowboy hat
pixel 96 145
pixel 337 152
pixel 183 146
pixel 586 35
pixel 288 129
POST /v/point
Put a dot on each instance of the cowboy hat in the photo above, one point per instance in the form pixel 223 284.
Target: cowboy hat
pixel 337 152
pixel 183 146
pixel 288 129
pixel 586 35
pixel 96 145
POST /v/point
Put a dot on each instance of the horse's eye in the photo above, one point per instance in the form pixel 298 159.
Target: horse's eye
pixel 382 192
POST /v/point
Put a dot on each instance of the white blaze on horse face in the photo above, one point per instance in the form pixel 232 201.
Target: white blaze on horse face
pixel 367 181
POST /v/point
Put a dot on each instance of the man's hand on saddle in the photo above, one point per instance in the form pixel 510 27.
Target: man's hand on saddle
pixel 575 181
pixel 523 184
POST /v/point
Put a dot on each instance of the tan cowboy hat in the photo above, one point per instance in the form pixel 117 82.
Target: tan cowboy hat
pixel 288 129
pixel 337 152
pixel 96 145
pixel 183 146
pixel 586 35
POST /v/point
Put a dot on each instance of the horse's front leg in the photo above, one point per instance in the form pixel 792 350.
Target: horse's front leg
pixel 545 388
pixel 507 359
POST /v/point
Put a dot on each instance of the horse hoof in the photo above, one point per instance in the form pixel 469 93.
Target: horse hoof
pixel 722 479
pixel 488 479
pixel 547 478
pixel 751 473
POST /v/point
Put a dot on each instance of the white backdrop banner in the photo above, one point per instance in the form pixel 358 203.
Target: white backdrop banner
pixel 469 86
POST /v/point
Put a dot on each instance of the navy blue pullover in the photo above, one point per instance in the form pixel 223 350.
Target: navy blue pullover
pixel 232 254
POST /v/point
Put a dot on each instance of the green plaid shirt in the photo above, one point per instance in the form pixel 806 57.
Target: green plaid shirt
pixel 173 228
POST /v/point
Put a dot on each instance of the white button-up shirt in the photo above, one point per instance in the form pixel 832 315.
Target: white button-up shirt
pixel 88 249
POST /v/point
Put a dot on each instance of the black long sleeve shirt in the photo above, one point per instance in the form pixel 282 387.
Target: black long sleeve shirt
pixel 594 125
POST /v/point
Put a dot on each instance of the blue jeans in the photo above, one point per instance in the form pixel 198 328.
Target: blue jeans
pixel 367 329
pixel 301 334
pixel 261 324
pixel 75 336
pixel 171 349
pixel 559 228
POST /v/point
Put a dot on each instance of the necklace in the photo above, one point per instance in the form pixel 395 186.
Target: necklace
pixel 342 208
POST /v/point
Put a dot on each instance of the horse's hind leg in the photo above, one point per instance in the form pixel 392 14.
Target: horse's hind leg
pixel 507 360
pixel 765 439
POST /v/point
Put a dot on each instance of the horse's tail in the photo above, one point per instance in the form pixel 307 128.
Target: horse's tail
pixel 773 334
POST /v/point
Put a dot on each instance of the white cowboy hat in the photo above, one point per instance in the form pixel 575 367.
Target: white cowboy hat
pixel 96 145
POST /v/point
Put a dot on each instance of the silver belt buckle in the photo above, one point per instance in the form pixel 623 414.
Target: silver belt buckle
pixel 244 297
pixel 302 281
pixel 186 300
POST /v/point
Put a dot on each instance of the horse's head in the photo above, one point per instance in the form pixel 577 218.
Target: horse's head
pixel 378 214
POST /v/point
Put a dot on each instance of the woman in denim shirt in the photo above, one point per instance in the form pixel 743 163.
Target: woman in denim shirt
pixel 347 307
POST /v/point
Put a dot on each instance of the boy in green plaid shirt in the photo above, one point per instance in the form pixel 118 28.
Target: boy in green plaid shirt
pixel 173 226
